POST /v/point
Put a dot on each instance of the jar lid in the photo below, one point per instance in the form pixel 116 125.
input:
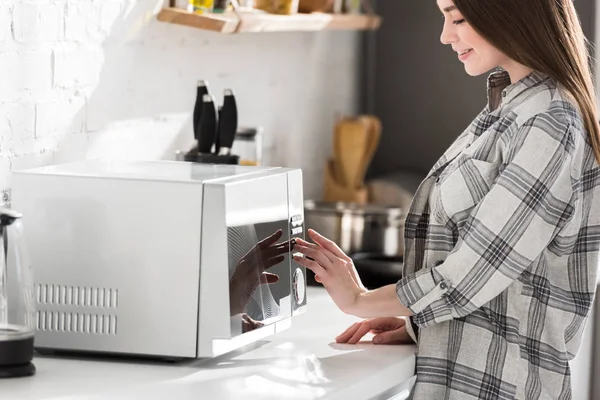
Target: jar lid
pixel 247 133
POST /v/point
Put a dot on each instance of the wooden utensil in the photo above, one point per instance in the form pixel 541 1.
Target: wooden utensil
pixel 350 143
pixel 333 192
pixel 373 134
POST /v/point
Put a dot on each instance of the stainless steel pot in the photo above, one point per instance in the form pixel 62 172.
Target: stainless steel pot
pixel 374 229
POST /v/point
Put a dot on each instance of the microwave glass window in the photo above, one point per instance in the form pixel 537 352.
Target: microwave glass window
pixel 259 275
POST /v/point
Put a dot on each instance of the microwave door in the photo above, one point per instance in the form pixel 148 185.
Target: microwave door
pixel 259 274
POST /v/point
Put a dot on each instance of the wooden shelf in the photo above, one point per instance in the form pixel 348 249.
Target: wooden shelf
pixel 251 22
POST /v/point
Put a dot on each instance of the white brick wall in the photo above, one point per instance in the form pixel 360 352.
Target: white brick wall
pixel 34 22
pixel 76 66
pixel 104 78
pixel 5 22
pixel 20 118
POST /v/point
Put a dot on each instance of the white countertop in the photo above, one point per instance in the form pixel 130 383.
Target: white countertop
pixel 303 362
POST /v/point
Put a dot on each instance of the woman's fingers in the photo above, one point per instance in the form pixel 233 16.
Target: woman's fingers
pixel 270 240
pixel 360 332
pixel 250 323
pixel 352 327
pixel 348 333
pixel 312 265
pixel 303 243
pixel 355 332
pixel 380 327
pixel 281 248
pixel 328 244
pixel 316 255
pixel 349 265
pixel 397 336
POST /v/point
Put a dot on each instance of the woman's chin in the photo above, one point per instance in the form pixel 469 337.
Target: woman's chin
pixel 476 70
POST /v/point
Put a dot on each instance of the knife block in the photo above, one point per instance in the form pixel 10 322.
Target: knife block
pixel 208 158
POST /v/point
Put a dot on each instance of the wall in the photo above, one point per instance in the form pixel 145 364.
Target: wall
pixel 103 78
pixel 422 93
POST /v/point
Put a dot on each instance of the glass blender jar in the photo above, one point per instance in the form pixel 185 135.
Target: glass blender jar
pixel 17 308
pixel 248 146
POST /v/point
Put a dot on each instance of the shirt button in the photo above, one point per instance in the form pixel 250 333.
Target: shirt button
pixel 443 286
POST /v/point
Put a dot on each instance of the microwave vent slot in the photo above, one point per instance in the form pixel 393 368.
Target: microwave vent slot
pixel 92 324
pixel 77 296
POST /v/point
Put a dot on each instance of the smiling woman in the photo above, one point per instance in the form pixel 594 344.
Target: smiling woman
pixel 502 236
pixel 478 55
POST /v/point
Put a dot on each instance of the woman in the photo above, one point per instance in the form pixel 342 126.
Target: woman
pixel 502 236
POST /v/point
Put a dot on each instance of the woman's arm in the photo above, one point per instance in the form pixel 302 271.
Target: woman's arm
pixel 528 204
pixel 337 273
pixel 510 227
pixel 381 302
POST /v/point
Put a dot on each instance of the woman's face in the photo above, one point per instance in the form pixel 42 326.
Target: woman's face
pixel 474 51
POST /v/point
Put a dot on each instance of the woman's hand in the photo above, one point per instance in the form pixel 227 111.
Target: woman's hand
pixel 250 270
pixel 249 324
pixel 334 269
pixel 389 330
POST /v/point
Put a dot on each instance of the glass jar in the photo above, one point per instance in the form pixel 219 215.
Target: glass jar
pixel 201 6
pixel 264 5
pixel 17 308
pixel 352 6
pixel 285 7
pixel 338 6
pixel 248 145
pixel 221 6
pixel 282 7
pixel 246 5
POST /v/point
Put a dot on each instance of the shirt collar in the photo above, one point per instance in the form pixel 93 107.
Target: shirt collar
pixel 501 91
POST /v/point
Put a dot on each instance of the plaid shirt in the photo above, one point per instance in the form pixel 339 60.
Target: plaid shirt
pixel 502 242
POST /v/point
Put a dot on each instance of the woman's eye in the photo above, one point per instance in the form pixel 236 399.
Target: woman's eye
pixel 458 22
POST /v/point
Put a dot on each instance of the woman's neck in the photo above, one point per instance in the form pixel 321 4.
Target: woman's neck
pixel 516 71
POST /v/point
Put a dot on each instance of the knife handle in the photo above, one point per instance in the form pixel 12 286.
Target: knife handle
pixel 218 138
pixel 228 122
pixel 201 90
pixel 208 125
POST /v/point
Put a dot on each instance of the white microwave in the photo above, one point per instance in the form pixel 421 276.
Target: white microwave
pixel 161 259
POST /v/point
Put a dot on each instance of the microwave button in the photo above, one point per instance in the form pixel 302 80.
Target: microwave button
pixel 297 220
pixel 297 231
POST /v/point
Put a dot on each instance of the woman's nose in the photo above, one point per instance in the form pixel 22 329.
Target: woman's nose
pixel 448 35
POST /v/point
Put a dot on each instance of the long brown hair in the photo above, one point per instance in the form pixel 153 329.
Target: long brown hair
pixel 545 35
